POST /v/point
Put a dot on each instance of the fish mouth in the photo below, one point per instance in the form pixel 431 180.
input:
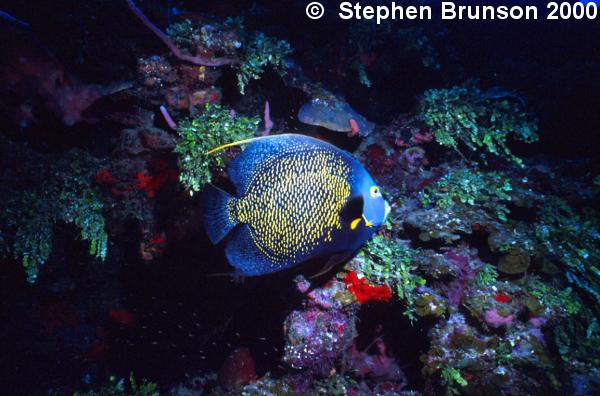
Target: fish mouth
pixel 387 210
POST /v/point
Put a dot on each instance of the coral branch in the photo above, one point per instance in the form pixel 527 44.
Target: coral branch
pixel 178 52
pixel 168 118
pixel 267 119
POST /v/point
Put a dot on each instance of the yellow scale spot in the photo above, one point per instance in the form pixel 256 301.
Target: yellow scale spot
pixel 293 201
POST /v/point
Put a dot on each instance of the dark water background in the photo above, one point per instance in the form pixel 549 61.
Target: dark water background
pixel 185 322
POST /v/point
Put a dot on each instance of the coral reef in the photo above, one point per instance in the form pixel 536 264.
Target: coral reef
pixel 484 279
pixel 391 261
pixel 471 187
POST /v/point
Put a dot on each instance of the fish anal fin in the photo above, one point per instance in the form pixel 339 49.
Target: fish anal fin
pixel 235 276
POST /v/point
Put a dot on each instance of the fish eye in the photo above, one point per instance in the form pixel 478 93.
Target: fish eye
pixel 375 192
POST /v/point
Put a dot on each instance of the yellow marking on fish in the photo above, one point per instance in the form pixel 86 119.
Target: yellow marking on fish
pixel 293 201
pixel 354 223
pixel 238 143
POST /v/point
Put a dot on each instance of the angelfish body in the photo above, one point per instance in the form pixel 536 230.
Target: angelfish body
pixel 298 198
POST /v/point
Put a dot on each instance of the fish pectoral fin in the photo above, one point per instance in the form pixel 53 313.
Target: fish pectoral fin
pixel 333 261
pixel 352 211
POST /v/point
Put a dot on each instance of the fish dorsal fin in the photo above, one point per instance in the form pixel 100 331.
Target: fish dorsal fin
pixel 259 150
pixel 238 143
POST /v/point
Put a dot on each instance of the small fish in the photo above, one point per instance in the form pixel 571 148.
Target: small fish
pixel 333 114
pixel 298 198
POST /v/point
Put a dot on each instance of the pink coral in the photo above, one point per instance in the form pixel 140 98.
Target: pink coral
pixel 267 119
pixel 494 319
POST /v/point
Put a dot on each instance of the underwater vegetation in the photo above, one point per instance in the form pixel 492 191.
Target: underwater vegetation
pixel 50 191
pixel 254 52
pixel 212 128
pixel 124 387
pixel 471 187
pixel 464 117
pixel 392 262
pixel 393 243
pixel 573 242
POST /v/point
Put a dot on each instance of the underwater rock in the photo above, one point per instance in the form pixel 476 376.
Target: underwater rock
pixel 378 366
pixel 335 115
pixel 434 264
pixel 238 369
pixel 315 338
pixel 448 223
pixel 413 159
pixel 586 383
pixel 497 303
pixel 177 98
pixel 199 98
pixel 333 295
pixel 145 139
pixel 514 263
pixel 428 303
pixel 155 71
pixel 33 80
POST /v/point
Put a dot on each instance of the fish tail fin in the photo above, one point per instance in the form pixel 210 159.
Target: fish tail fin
pixel 218 220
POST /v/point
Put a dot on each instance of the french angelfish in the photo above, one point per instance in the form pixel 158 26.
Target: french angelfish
pixel 297 198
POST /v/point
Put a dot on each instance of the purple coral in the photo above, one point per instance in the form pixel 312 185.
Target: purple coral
pixel 466 270
pixel 494 319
